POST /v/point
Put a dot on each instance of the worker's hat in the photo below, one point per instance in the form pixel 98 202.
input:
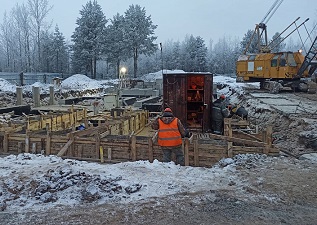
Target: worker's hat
pixel 222 96
pixel 167 110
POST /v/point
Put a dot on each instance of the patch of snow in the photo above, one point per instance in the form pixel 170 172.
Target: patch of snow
pixel 80 82
pixel 6 86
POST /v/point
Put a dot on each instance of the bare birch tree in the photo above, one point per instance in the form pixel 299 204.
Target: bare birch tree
pixel 39 10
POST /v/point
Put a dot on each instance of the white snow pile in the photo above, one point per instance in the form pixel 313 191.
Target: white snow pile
pixel 44 88
pixel 227 85
pixel 80 82
pixel 35 182
pixel 159 75
pixel 6 86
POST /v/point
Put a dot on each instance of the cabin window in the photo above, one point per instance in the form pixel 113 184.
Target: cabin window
pixel 291 60
pixel 252 57
pixel 283 60
pixel 274 61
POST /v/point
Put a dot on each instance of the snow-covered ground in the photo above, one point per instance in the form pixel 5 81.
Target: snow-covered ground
pixel 38 182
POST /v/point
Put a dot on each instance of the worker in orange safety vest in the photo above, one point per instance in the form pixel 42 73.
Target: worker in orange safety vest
pixel 170 133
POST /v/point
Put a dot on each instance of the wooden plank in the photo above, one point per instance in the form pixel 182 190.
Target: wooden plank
pixel 237 140
pixel 196 153
pixel 80 151
pixel 109 154
pixel 19 147
pixel 97 145
pixel 150 150
pixel 27 142
pixel 205 155
pixel 133 148
pixel 243 135
pixel 269 132
pixel 33 150
pixel 102 160
pixel 186 151
pixel 6 142
pixel 65 148
pixel 48 140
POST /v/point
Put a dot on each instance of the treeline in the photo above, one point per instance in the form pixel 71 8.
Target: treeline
pixel 100 47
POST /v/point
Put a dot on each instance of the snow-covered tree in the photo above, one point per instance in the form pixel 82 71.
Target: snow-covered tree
pixel 7 42
pixel 201 56
pixel 139 34
pixel 276 44
pixel 59 52
pixel 224 55
pixel 21 16
pixel 114 47
pixel 194 53
pixel 250 45
pixel 88 38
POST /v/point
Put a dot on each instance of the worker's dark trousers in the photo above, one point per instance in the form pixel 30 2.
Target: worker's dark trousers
pixel 217 126
pixel 177 150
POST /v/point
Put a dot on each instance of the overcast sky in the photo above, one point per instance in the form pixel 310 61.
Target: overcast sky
pixel 209 19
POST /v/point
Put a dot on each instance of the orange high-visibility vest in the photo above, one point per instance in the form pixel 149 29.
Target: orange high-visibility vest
pixel 168 134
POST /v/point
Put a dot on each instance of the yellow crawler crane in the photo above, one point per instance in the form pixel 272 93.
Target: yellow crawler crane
pixel 275 71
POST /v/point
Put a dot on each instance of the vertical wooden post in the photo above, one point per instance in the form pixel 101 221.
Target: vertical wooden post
pixel 19 147
pixel 85 116
pixel 196 153
pixel 268 142
pixel 27 142
pixel 71 151
pixel 6 142
pixel 80 151
pixel 150 142
pixel 186 151
pixel 228 132
pixel 109 154
pixel 102 160
pixel 133 148
pixel 34 148
pixel 48 140
pixel 97 136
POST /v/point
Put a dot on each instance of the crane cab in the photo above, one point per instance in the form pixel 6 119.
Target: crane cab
pixel 272 66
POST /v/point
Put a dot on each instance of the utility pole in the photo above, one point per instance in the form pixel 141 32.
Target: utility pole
pixel 161 56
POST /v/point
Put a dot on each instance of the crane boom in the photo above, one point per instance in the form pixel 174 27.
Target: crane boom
pixel 310 56
pixel 262 26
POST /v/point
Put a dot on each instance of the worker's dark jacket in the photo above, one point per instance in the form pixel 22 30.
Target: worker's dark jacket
pixel 240 111
pixel 219 110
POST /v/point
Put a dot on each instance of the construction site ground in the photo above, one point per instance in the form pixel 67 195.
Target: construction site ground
pixel 289 182
pixel 289 186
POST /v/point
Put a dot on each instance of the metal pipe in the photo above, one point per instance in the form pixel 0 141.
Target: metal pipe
pixel 290 33
pixel 282 32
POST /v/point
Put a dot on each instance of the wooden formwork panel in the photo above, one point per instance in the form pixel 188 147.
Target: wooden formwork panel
pixel 56 122
pixel 13 147
pixel 118 145
pixel 115 152
pixel 85 151
pixel 208 162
